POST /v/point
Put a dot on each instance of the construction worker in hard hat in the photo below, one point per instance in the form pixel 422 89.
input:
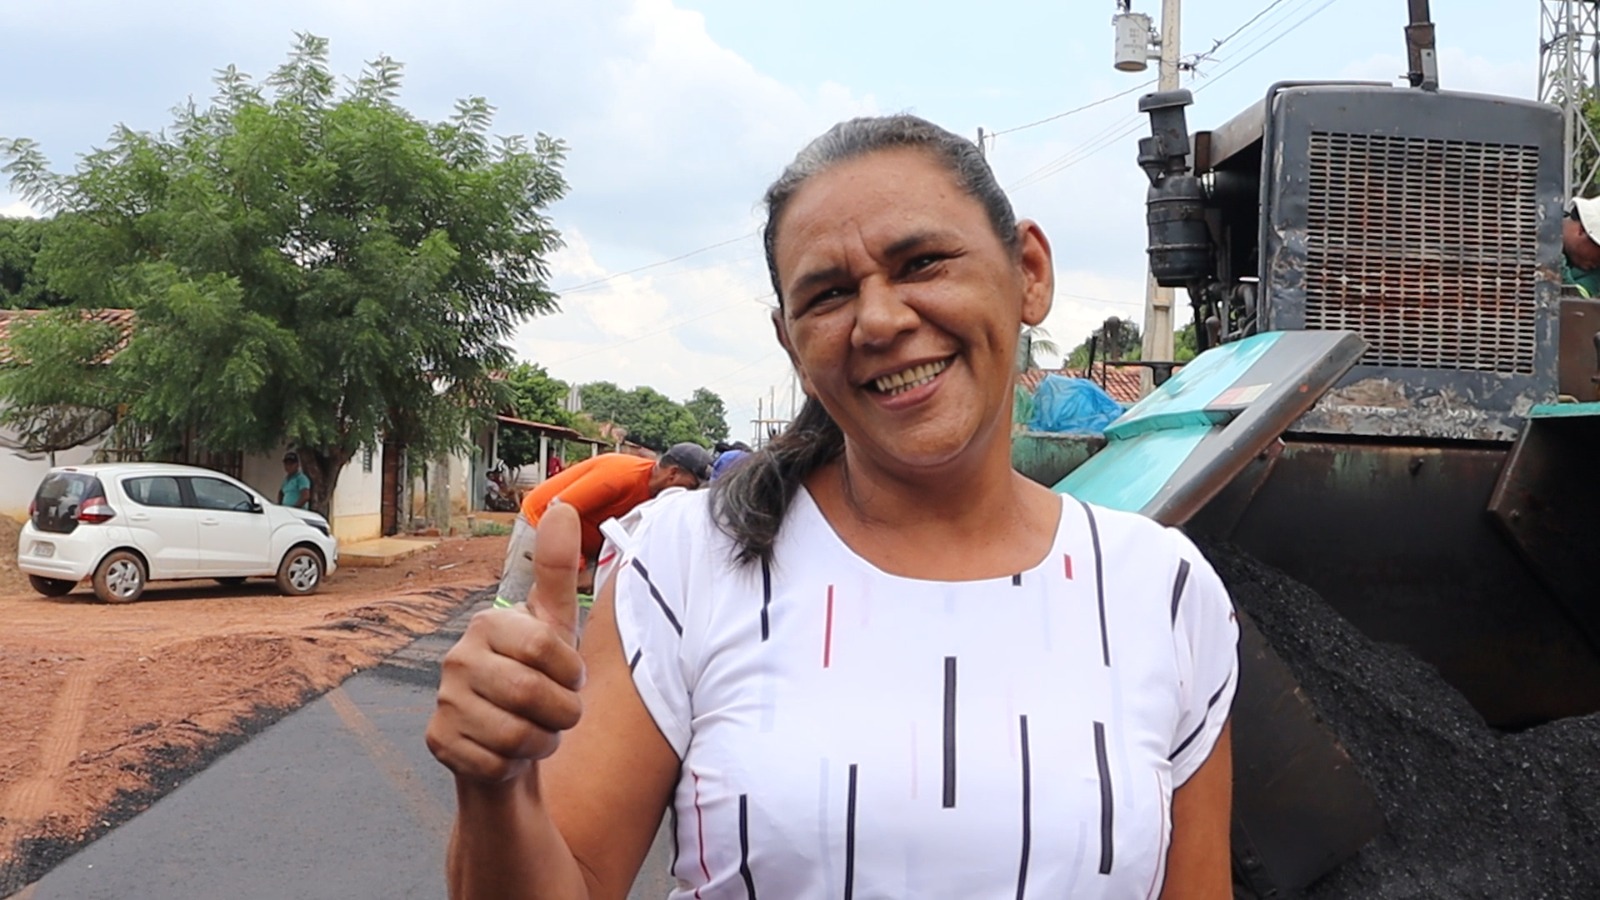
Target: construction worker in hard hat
pixel 1578 241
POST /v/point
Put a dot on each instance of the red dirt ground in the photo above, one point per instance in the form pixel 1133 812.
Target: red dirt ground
pixel 98 698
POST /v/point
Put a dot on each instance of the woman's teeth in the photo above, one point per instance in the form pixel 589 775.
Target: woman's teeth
pixel 916 376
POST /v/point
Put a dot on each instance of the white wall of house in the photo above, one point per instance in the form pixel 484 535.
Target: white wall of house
pixel 355 510
pixel 20 475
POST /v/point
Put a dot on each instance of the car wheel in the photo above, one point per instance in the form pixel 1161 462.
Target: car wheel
pixel 51 587
pixel 231 581
pixel 300 572
pixel 120 578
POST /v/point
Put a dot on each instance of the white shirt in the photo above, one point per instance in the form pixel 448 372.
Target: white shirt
pixel 849 733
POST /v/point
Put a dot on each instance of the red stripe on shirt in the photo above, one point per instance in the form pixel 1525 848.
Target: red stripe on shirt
pixel 827 633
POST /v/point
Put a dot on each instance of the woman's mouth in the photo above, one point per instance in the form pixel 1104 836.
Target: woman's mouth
pixel 914 377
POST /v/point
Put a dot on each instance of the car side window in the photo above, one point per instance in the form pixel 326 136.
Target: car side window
pixel 212 493
pixel 153 490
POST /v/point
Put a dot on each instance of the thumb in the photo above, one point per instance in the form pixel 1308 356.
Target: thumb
pixel 555 571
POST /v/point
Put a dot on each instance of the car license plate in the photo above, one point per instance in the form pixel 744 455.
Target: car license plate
pixel 43 550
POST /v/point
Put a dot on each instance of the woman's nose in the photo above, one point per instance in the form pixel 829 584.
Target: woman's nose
pixel 882 313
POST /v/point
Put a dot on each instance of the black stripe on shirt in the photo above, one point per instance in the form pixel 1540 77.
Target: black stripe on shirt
pixel 850 838
pixel 1203 718
pixel 634 662
pixel 744 846
pixel 672 811
pixel 949 732
pixel 1177 587
pixel 660 601
pixel 1105 797
pixel 1016 580
pixel 766 596
pixel 1099 584
pixel 1027 813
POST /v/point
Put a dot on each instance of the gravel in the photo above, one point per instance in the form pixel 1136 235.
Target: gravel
pixel 1472 812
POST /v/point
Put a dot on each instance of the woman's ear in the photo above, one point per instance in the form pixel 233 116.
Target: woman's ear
pixel 1038 272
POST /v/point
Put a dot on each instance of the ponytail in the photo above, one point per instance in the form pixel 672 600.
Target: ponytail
pixel 750 502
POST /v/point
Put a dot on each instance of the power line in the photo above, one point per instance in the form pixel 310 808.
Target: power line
pixel 664 262
pixel 1280 36
pixel 582 289
pixel 1079 109
pixel 1095 145
pixel 1217 45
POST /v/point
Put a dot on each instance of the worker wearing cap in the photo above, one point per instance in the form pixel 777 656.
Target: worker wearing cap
pixel 599 488
pixel 1579 244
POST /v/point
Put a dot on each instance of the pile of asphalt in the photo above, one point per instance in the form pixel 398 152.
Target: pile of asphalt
pixel 1472 812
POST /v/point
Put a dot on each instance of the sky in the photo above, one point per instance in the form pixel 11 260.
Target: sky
pixel 678 113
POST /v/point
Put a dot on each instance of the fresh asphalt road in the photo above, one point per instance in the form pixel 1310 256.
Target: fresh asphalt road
pixel 339 799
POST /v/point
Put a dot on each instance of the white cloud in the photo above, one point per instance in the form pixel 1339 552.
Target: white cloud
pixel 18 210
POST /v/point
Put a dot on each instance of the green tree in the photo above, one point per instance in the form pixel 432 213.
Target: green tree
pixel 307 264
pixel 57 385
pixel 1128 344
pixel 22 285
pixel 710 415
pixel 650 417
pixel 537 397
pixel 1184 347
pixel 1035 345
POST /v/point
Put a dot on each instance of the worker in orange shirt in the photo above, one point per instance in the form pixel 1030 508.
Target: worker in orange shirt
pixel 599 488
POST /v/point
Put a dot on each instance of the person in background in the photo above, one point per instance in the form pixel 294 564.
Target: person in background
pixel 599 488
pixel 1578 231
pixel 728 455
pixel 553 467
pixel 296 489
pixel 873 660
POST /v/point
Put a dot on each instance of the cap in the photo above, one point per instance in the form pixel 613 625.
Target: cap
pixel 291 456
pixel 1588 210
pixel 692 458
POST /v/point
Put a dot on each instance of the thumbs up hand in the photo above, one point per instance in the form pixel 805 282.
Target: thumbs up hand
pixel 509 687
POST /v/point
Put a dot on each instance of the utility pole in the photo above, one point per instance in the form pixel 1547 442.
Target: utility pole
pixel 1158 300
pixel 1569 65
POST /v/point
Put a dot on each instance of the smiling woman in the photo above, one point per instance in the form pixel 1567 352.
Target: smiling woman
pixel 874 659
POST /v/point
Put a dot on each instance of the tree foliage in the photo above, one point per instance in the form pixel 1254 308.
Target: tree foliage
pixel 57 384
pixel 653 419
pixel 537 397
pixel 1128 343
pixel 22 283
pixel 307 264
pixel 710 415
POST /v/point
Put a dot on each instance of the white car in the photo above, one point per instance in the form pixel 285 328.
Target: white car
pixel 123 525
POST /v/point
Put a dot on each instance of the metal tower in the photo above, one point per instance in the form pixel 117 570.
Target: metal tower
pixel 1569 69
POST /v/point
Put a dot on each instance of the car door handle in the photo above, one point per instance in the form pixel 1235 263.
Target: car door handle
pixel 138 517
pixel 209 522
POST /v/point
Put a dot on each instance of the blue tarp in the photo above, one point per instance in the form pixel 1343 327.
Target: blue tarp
pixel 1072 406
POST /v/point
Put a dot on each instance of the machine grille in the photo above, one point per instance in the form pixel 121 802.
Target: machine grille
pixel 1426 248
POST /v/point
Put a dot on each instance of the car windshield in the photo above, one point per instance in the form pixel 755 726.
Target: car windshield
pixel 55 504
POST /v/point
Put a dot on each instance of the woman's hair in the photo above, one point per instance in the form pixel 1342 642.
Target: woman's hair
pixel 750 502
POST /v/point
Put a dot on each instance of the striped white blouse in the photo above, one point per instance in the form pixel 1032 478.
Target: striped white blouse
pixel 849 733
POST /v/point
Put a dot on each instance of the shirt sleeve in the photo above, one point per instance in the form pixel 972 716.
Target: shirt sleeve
pixel 652 588
pixel 1205 640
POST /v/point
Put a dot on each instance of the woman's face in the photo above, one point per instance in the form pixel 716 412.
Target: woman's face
pixel 901 307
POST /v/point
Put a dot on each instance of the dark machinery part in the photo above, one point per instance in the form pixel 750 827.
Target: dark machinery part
pixel 1434 497
pixel 1175 205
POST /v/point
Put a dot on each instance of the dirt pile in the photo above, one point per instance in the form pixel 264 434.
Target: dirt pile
pixel 11 580
pixel 1471 812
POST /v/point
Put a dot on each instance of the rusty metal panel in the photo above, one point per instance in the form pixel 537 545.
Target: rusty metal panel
pixel 1426 247
pixel 1398 539
pixel 1300 807
pixel 1546 500
pixel 1579 366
